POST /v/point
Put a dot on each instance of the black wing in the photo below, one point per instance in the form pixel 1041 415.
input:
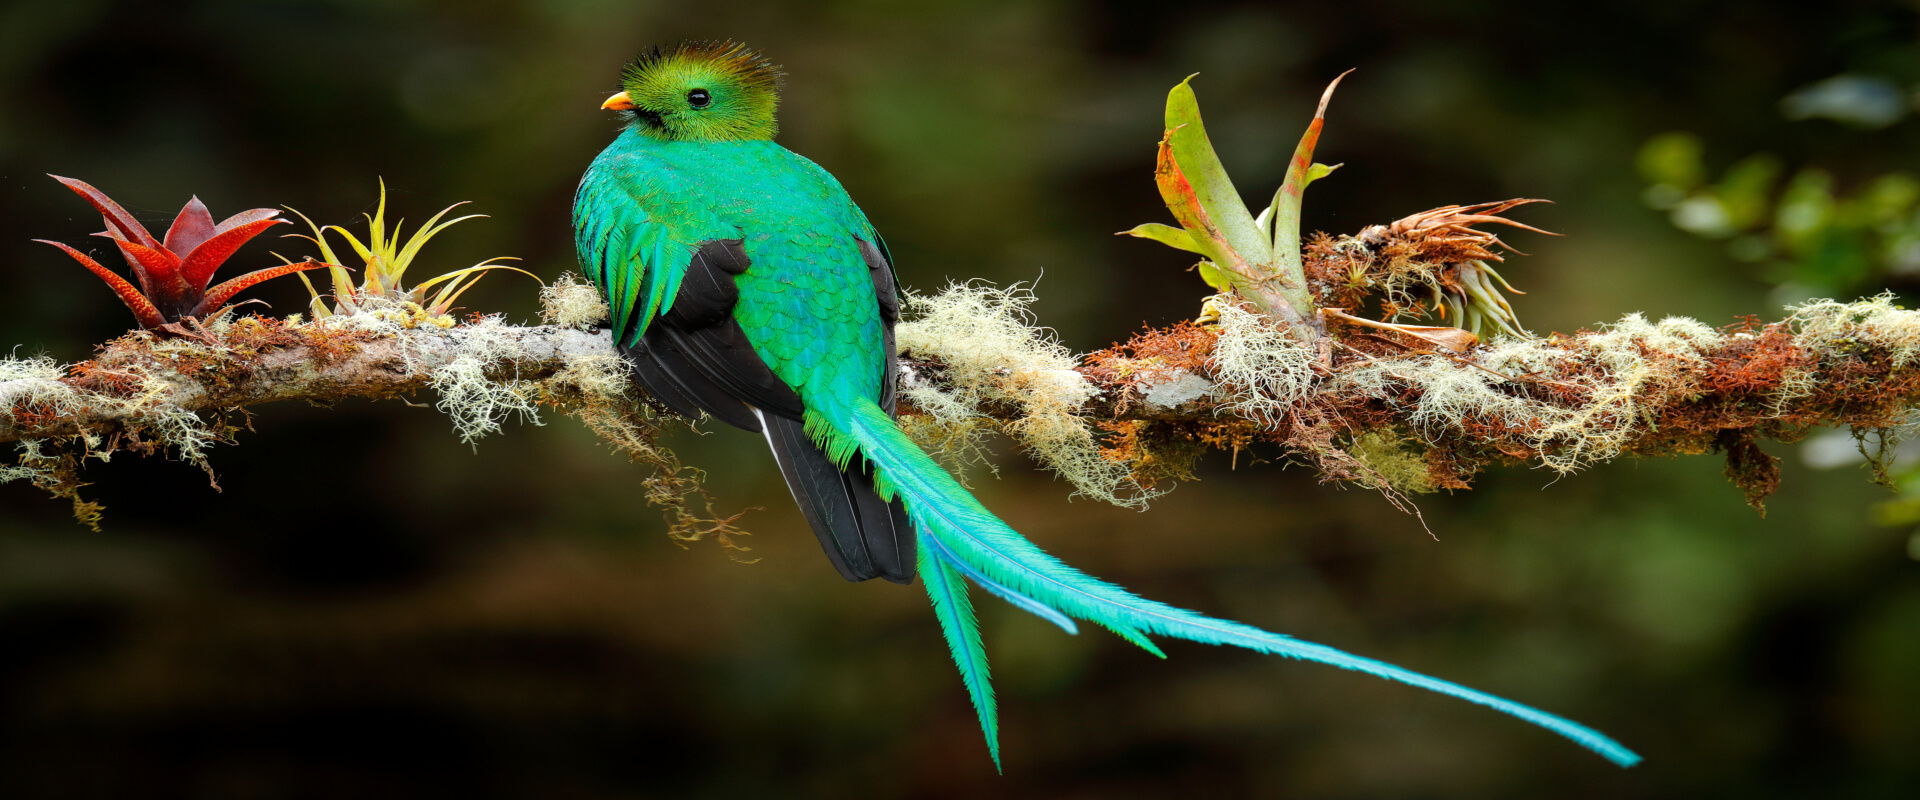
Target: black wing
pixel 696 358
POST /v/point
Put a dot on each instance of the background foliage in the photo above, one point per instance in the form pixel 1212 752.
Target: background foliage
pixel 371 609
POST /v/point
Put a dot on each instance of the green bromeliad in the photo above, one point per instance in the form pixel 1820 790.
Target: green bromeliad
pixel 746 285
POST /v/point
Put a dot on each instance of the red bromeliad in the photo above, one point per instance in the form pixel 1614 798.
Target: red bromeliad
pixel 174 272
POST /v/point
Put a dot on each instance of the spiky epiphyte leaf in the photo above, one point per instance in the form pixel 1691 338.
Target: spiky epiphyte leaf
pixel 1180 239
pixel 1176 238
pixel 1199 192
pixel 1448 258
pixel 387 258
pixel 1218 226
pixel 1261 264
pixel 1285 210
pixel 174 273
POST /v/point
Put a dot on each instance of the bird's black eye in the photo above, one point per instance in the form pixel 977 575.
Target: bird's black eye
pixel 699 98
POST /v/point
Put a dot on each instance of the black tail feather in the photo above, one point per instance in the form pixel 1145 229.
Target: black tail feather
pixel 864 536
pixel 883 526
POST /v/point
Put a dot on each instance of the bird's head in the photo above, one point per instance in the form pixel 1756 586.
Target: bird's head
pixel 701 92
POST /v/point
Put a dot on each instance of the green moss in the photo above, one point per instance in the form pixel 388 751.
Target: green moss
pixel 1402 464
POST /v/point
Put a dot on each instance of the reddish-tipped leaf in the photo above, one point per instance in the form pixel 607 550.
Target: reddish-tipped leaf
pixel 120 224
pixel 193 226
pixel 1197 190
pixel 200 264
pixel 219 295
pixel 173 275
pixel 157 270
pixel 143 310
pixel 1300 172
pixel 244 217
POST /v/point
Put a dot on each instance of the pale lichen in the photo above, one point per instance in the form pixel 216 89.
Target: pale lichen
pixel 1831 325
pixel 572 302
pixel 1613 374
pixel 146 401
pixel 475 403
pixel 387 320
pixel 150 398
pixel 1830 328
pixel 993 353
pixel 167 422
pixel 1179 388
pixel 31 465
pixel 35 383
pixel 1266 370
pixel 594 389
pixel 603 376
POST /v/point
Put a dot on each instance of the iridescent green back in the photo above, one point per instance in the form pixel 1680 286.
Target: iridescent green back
pixel 807 301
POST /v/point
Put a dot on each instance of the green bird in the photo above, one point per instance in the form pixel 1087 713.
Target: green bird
pixel 745 284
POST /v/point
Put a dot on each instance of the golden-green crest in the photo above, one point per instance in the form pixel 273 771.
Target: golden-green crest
pixel 702 92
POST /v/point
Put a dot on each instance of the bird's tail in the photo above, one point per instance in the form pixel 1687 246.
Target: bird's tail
pixel 960 538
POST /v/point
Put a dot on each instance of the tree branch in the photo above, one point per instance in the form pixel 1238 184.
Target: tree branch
pixel 140 377
pixel 1392 407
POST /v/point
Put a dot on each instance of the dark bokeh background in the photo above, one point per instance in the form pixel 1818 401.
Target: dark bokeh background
pixel 372 609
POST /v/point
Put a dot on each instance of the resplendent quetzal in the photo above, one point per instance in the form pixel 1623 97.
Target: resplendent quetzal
pixel 745 284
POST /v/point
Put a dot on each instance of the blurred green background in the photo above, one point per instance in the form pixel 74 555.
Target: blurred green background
pixel 371 609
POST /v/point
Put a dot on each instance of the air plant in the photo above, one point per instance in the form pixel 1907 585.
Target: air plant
pixel 1260 259
pixel 174 272
pixel 1448 257
pixel 387 258
pixel 1257 258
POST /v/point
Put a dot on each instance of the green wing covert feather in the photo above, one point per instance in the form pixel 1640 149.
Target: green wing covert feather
pixel 636 260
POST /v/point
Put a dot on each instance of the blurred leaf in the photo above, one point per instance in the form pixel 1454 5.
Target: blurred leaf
pixel 1672 160
pixel 1890 200
pixel 1904 511
pixel 1752 248
pixel 1867 101
pixel 1703 215
pixel 1745 190
pixel 1805 210
pixel 1810 235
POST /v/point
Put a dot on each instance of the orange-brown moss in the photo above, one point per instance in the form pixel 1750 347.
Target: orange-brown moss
pixel 1148 357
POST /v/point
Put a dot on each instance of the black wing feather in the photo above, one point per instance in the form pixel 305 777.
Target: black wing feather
pixel 696 358
pixel 663 368
pixel 885 291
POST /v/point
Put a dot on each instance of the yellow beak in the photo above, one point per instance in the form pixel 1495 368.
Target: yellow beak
pixel 618 102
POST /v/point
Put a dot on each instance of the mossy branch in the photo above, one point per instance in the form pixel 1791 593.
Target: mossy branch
pixel 1385 413
pixel 141 380
pixel 1399 408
